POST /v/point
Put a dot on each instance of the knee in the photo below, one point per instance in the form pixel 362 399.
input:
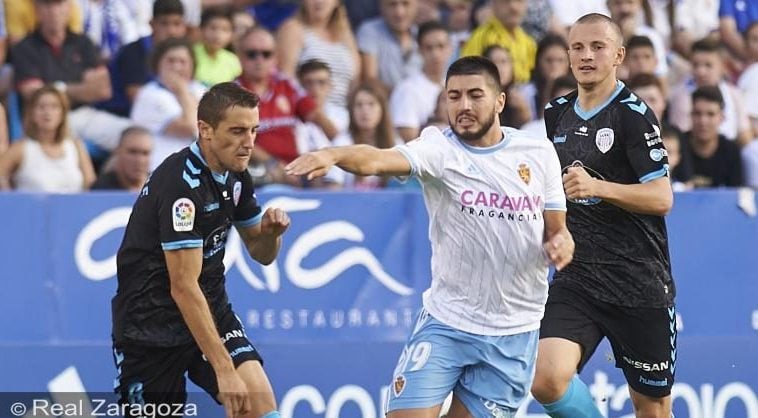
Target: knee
pixel 652 408
pixel 549 388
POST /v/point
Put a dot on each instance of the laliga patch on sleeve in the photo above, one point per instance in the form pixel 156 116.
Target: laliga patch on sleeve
pixel 184 215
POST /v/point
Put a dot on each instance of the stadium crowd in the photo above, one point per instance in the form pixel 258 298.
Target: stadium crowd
pixel 95 93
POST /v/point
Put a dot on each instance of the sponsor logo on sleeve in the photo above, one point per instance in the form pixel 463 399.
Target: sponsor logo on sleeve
pixel 657 154
pixel 184 215
pixel 604 139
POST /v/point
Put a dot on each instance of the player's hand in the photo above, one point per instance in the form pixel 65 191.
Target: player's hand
pixel 578 184
pixel 275 221
pixel 314 164
pixel 233 394
pixel 559 249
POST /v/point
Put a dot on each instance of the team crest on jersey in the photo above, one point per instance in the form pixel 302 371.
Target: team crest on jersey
pixel 604 139
pixel 398 385
pixel 524 173
pixel 184 215
pixel 236 192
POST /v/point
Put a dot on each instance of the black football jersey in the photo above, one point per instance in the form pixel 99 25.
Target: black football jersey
pixel 621 257
pixel 182 205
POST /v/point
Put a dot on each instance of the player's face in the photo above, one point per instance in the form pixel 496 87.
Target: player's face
pixel 594 53
pixel 367 111
pixel 473 105
pixel 218 33
pixel 641 61
pixel 232 140
pixel 47 113
pixel 707 68
pixel 706 118
pixel 653 96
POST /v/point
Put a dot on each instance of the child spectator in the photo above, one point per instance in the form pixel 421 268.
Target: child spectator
pixel 215 64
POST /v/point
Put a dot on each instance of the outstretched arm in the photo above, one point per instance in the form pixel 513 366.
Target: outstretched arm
pixel 363 160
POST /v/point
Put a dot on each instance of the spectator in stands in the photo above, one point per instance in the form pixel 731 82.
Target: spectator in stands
pixel 130 162
pixel 370 123
pixel 650 89
pixel 109 24
pixel 748 82
pixel 693 20
pixel 708 70
pixel 242 21
pixel 131 69
pixel 21 18
pixel 387 44
pixel 640 57
pixel 459 22
pixel 320 30
pixel 735 16
pixel 215 64
pixel 540 20
pixel 53 54
pixel 710 158
pixel 48 159
pixel 680 181
pixel 283 103
pixel 567 12
pixel 504 29
pixel 167 106
pixel 627 14
pixel 516 111
pixel 559 87
pixel 750 164
pixel 413 100
pixel 315 77
pixel 4 133
pixel 552 63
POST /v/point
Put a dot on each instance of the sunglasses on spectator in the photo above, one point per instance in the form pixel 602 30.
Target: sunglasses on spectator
pixel 255 53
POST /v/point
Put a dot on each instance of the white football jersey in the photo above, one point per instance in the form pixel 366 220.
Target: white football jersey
pixel 486 226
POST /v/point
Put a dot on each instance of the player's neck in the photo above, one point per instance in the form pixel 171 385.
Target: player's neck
pixel 213 164
pixel 593 96
pixel 490 138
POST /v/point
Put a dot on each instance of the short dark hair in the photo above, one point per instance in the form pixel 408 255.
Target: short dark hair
pixel 311 66
pixel 475 65
pixel 639 41
pixel 216 12
pixel 132 130
pixel 601 18
pixel 167 7
pixel 710 94
pixel 706 45
pixel 166 45
pixel 429 27
pixel 645 80
pixel 219 98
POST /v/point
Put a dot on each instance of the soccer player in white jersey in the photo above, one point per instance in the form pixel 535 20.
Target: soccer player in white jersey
pixel 497 216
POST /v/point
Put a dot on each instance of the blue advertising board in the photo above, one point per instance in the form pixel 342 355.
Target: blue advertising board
pixel 331 314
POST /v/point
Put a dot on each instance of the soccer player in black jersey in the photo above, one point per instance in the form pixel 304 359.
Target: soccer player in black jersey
pixel 619 285
pixel 171 314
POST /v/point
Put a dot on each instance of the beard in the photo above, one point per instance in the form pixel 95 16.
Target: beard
pixel 476 135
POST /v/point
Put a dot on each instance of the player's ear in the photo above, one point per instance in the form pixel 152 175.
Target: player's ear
pixel 204 129
pixel 500 101
pixel 620 55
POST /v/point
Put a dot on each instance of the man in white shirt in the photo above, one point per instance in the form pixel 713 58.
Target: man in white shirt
pixel 414 99
pixel 497 217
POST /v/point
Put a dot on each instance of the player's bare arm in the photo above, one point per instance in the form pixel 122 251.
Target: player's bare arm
pixel 652 198
pixel 184 268
pixel 264 239
pixel 559 244
pixel 363 160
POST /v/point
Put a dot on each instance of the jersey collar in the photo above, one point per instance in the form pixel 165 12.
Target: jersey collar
pixel 589 114
pixel 219 177
pixel 448 132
